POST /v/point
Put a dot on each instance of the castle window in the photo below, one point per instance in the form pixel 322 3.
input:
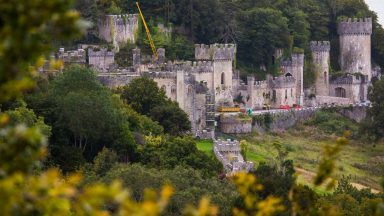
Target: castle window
pixel 291 92
pixel 288 75
pixel 222 79
pixel 286 94
pixel 164 88
pixel 325 77
pixel 190 90
pixel 173 89
pixel 274 95
pixel 340 92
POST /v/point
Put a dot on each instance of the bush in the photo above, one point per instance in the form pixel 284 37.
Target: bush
pixel 331 122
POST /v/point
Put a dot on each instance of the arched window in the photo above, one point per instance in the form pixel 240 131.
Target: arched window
pixel 274 95
pixel 173 89
pixel 288 75
pixel 325 77
pixel 164 88
pixel 190 90
pixel 222 79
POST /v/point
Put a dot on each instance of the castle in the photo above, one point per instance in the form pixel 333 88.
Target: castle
pixel 210 81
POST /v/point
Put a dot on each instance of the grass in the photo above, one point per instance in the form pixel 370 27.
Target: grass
pixel 205 146
pixel 305 146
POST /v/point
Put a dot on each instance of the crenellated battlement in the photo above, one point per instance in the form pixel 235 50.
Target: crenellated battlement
pixel 72 56
pixel 349 79
pixel 161 75
pixel 282 82
pixel 124 19
pixel 320 46
pixel 297 60
pixel 351 26
pixel 252 81
pixel 215 52
pixel 101 59
pixel 103 52
pixel 202 67
pixel 118 28
pixel 174 67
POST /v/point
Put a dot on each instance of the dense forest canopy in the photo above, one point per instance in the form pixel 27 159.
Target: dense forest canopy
pixel 257 27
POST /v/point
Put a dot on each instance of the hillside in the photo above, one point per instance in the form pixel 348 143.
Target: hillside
pixel 257 27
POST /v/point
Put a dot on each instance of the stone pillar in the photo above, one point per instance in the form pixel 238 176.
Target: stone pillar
pixel 136 58
pixel 298 69
pixel 161 55
pixel 250 90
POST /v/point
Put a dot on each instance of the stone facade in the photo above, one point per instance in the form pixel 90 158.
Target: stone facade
pixel 321 59
pixel 355 46
pixel 102 60
pixel 210 81
pixel 229 154
pixel 73 56
pixel 235 124
pixel 119 29
pixel 295 67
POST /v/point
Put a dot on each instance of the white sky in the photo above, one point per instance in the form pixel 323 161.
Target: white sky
pixel 378 7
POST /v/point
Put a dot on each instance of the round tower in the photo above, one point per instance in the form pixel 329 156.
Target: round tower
pixel 320 54
pixel 355 46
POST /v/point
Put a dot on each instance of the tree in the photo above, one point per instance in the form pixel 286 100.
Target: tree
pixel 299 27
pixel 145 97
pixel 174 120
pixel 262 31
pixel 374 123
pixel 143 94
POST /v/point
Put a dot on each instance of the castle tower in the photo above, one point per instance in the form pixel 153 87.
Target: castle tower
pixel 320 54
pixel 119 29
pixel 298 71
pixel 222 56
pixel 355 46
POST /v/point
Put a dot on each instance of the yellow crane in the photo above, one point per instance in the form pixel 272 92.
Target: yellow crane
pixel 154 51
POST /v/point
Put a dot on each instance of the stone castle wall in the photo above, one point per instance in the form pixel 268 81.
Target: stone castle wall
pixel 102 60
pixel 119 29
pixel 295 67
pixel 73 56
pixel 215 52
pixel 229 154
pixel 355 46
pixel 235 124
pixel 321 59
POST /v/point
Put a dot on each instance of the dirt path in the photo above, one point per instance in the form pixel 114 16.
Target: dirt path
pixel 308 176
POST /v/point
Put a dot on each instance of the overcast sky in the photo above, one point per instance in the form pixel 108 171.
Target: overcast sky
pixel 378 7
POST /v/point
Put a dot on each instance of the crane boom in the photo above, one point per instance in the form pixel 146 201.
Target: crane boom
pixel 154 51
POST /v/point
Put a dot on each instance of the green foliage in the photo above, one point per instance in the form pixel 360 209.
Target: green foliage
pixel 22 32
pixel 327 164
pixel 174 120
pixel 144 96
pixel 178 151
pixel 373 125
pixel 262 30
pixel 332 122
pixel 189 185
pixel 104 161
pixel 69 104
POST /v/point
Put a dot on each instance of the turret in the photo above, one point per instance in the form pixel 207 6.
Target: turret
pixel 320 55
pixel 355 46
